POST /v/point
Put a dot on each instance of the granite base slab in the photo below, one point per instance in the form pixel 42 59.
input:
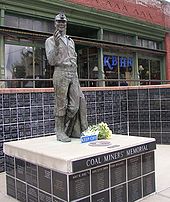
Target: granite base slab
pixel 43 169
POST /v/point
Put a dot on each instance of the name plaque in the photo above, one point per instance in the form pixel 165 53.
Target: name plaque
pixel 88 138
pixel 11 189
pixel 98 160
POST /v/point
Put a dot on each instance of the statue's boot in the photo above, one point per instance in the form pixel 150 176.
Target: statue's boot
pixel 61 136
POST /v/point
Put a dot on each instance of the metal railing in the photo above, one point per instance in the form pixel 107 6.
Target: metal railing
pixel 40 83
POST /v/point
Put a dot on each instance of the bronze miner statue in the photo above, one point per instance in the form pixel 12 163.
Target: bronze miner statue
pixel 70 105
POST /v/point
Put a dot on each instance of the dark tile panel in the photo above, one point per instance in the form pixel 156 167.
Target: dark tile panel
pixel 124 128
pixel 11 186
pixel 132 94
pixel 165 115
pixel 133 105
pixel 44 179
pixel 123 95
pixel 143 94
pixel 144 115
pixel 154 93
pixel 134 190
pixel 133 116
pixel 2 161
pixel 116 96
pixel 32 194
pixel 165 126
pixel 21 191
pixel 156 126
pixel 165 138
pixel 145 134
pixel 134 126
pixel 108 96
pixel 124 117
pixel 155 116
pixel 157 136
pixel 100 107
pixel 100 118
pixel 10 165
pixel 143 104
pixel 165 104
pixel 144 126
pixel 149 184
pixel 116 106
pixel 99 96
pixel 108 107
pixel 165 93
pixel 90 96
pixel 123 105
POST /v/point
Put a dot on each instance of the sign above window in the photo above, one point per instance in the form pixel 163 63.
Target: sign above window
pixel 113 61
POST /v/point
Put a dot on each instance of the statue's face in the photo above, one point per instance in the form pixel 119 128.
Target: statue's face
pixel 61 25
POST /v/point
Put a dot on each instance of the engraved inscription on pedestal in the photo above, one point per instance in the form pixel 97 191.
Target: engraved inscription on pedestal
pixel 21 191
pixel 134 190
pixel 79 185
pixel 44 179
pixel 101 197
pixel 59 182
pixel 32 193
pixel 31 174
pixel 118 193
pixel 20 169
pixel 1 164
pixel 44 197
pixel 10 168
pixel 134 167
pixel 100 178
pixel 118 172
pixel 84 200
pixel 10 182
pixel 148 162
pixel 56 200
pixel 148 184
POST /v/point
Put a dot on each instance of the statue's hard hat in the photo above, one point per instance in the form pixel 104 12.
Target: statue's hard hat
pixel 60 16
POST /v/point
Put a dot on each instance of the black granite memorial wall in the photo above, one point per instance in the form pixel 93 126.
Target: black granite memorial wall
pixel 129 177
pixel 135 112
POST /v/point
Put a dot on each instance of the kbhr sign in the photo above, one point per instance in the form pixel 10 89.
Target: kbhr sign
pixel 112 61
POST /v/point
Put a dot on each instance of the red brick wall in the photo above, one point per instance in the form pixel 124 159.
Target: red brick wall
pixel 167 14
pixel 148 10
pixel 167 47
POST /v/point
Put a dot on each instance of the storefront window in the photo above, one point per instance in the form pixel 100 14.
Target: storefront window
pixel 117 68
pixel 18 63
pixel 149 70
pixel 155 71
pixel 27 63
pixel 87 66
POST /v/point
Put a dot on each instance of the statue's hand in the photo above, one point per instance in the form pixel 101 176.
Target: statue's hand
pixel 57 36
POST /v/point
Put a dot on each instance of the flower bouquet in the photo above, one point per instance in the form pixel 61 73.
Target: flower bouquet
pixel 96 132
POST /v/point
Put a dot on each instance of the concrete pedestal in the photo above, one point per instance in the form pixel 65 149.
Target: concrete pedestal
pixel 45 170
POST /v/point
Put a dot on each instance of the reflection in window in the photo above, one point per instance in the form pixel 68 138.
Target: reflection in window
pixel 149 70
pixel 27 63
pixel 87 66
pixel 118 67
pixel 18 63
